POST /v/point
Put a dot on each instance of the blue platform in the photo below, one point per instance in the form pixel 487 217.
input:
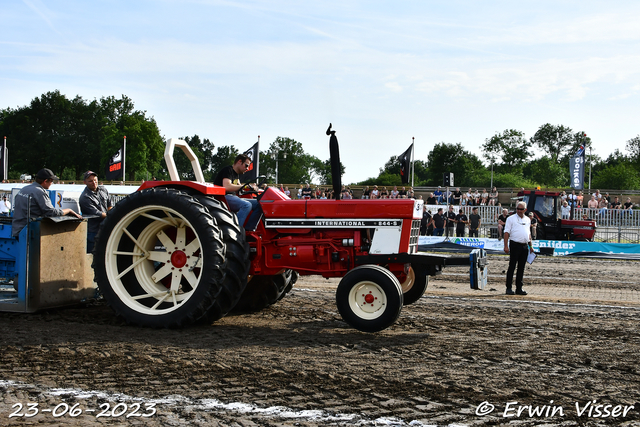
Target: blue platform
pixel 47 266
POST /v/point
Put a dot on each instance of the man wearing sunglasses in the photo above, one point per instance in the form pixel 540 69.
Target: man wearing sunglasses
pixel 33 200
pixel 229 178
pixel 517 243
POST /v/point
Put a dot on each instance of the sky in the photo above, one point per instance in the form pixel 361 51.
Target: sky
pixel 382 72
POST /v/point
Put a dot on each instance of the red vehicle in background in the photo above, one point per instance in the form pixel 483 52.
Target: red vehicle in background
pixel 546 207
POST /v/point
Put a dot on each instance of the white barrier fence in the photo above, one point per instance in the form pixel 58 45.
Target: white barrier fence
pixel 610 217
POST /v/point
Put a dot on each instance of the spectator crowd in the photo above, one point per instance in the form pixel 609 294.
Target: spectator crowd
pixel 307 191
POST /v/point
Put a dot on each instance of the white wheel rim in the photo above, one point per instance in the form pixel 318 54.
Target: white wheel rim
pixel 367 300
pixel 178 266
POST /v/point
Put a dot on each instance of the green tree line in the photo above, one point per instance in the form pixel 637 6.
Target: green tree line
pixel 512 161
pixel 284 155
pixel 71 136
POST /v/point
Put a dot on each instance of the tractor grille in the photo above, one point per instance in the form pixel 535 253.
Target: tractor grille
pixel 415 235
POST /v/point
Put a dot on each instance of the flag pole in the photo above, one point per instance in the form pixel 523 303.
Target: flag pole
pixel 257 160
pixel 413 172
pixel 124 154
pixel 5 160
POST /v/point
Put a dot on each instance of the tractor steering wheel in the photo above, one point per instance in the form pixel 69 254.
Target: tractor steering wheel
pixel 246 188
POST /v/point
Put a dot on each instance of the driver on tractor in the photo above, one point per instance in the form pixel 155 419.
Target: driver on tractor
pixel 229 178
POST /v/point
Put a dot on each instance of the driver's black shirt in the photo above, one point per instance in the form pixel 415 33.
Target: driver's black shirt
pixel 227 172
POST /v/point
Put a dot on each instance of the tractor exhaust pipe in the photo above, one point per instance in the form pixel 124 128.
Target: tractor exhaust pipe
pixel 334 153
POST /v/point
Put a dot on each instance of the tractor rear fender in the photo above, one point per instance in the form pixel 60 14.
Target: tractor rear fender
pixel 188 186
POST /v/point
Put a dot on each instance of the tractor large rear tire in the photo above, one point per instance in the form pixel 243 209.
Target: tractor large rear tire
pixel 159 259
pixel 237 258
pixel 264 291
pixel 369 298
pixel 291 276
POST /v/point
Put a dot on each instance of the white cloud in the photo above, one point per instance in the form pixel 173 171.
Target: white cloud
pixel 384 72
pixel 393 86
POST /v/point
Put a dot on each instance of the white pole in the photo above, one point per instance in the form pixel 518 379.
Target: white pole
pixel 5 160
pixel 590 163
pixel 492 174
pixel 277 154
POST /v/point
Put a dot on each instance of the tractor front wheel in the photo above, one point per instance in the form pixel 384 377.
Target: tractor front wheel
pixel 369 298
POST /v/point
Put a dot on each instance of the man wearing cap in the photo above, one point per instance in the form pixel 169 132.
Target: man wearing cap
pixel 95 202
pixel 33 200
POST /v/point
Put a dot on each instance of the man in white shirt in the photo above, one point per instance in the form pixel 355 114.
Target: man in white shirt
pixel 517 243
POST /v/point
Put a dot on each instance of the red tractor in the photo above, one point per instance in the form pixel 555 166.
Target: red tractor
pixel 172 253
pixel 546 206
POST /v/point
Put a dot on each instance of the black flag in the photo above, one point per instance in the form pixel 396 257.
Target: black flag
pixel 576 169
pixel 254 155
pixel 405 164
pixel 115 167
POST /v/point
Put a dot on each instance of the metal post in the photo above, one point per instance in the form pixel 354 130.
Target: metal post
pixel 590 163
pixel 619 233
pixel 257 159
pixel 27 256
pixel 491 176
pixel 5 161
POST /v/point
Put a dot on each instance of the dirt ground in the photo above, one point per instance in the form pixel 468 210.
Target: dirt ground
pixel 566 354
